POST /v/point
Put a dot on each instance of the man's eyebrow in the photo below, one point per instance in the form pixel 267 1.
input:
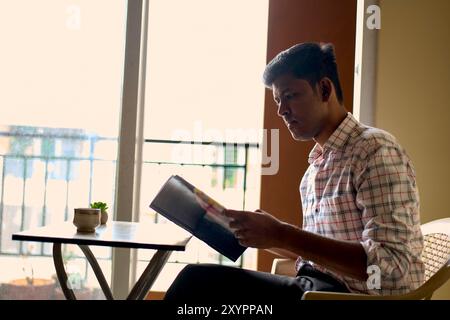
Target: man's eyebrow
pixel 282 92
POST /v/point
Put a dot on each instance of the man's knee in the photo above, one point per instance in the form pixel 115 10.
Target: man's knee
pixel 194 269
pixel 198 272
pixel 194 281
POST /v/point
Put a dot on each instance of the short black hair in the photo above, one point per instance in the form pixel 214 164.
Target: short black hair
pixel 309 61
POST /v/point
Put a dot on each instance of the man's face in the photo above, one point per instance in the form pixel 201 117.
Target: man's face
pixel 300 106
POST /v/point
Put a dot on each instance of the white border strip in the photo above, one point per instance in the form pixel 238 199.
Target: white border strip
pixel 366 52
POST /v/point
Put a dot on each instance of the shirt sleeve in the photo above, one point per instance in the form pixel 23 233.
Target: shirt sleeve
pixel 388 198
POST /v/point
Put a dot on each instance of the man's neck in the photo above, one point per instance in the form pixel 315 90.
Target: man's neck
pixel 335 120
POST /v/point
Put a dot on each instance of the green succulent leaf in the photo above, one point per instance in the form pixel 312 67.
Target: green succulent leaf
pixel 99 205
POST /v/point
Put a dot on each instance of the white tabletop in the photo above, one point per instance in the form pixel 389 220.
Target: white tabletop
pixel 113 234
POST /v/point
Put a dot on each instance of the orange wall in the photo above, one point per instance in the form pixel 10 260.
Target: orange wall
pixel 291 22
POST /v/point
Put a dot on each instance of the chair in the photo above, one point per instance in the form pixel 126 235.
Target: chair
pixel 435 255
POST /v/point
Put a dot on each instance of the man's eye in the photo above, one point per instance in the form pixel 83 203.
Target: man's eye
pixel 289 96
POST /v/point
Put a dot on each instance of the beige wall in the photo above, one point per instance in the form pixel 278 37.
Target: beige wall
pixel 413 95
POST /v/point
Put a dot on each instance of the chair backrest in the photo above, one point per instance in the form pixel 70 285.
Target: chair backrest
pixel 436 257
pixel 436 250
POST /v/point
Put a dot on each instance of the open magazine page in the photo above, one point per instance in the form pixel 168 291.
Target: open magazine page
pixel 192 209
pixel 214 210
pixel 177 202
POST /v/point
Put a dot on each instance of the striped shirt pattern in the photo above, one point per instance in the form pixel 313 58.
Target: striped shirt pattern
pixel 361 187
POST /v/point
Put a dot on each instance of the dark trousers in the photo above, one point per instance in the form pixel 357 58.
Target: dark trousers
pixel 216 283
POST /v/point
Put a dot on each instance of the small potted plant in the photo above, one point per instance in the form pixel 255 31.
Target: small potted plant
pixel 103 207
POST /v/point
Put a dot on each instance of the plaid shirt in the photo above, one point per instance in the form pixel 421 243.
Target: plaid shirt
pixel 361 187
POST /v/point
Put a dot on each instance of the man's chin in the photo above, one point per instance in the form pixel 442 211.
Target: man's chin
pixel 298 137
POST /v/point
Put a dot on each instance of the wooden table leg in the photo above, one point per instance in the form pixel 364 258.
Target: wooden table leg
pixel 61 272
pixel 98 271
pixel 148 277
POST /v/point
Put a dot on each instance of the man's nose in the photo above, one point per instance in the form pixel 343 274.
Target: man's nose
pixel 283 109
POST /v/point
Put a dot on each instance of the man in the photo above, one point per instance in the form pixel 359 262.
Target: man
pixel 359 197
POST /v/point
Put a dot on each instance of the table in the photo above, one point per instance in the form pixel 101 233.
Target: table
pixel 164 238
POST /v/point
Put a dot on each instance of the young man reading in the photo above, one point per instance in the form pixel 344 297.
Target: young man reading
pixel 359 198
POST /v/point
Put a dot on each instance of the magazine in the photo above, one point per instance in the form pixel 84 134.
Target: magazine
pixel 190 208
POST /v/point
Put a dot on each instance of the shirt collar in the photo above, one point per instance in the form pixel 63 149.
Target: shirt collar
pixel 337 140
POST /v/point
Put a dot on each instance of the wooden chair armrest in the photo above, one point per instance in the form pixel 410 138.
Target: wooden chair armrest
pixel 285 267
pixel 325 295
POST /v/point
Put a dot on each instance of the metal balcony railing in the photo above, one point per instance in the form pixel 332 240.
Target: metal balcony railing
pixel 31 159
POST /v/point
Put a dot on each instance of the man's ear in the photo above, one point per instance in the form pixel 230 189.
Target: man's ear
pixel 326 87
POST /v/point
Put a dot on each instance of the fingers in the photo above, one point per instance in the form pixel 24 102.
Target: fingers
pixel 263 212
pixel 244 243
pixel 238 215
pixel 234 224
pixel 240 234
pixel 239 230
pixel 235 214
pixel 236 218
pixel 242 237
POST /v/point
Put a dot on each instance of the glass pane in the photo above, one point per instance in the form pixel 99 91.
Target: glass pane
pixel 204 70
pixel 61 79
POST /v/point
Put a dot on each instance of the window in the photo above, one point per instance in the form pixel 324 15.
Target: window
pixel 203 110
pixel 62 86
pixel 61 80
